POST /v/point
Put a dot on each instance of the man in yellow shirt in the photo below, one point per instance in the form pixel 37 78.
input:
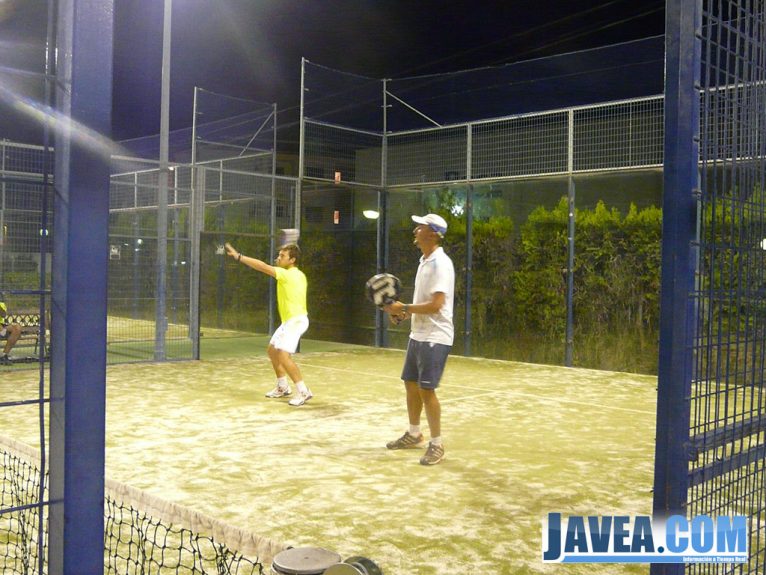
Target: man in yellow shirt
pixel 291 301
pixel 9 332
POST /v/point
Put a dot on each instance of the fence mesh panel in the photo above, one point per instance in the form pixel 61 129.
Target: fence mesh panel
pixel 519 146
pixel 428 156
pixel 335 153
pixel 228 128
pixel 621 135
pixel 727 429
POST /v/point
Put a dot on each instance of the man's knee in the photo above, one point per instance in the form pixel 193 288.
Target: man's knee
pixel 282 355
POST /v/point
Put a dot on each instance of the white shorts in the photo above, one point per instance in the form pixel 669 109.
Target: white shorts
pixel 289 333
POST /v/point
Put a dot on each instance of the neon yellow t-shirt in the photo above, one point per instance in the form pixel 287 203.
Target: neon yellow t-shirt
pixel 291 292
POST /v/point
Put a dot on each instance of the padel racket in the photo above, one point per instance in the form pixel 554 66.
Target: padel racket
pixel 383 289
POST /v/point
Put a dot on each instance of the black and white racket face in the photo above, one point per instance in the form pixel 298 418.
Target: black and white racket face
pixel 383 289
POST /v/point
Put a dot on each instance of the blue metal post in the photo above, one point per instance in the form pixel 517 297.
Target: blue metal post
pixel 681 181
pixel 569 344
pixel 273 224
pixel 78 363
pixel 381 320
pixel 468 269
pixel 161 320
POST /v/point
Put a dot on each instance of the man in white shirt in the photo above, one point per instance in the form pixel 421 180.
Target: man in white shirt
pixel 431 336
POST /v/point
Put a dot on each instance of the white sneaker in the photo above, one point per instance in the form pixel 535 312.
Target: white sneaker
pixel 279 392
pixel 301 398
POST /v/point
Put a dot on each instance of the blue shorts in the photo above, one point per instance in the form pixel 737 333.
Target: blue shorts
pixel 425 363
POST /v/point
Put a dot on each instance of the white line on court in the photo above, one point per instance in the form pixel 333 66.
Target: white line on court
pixel 486 391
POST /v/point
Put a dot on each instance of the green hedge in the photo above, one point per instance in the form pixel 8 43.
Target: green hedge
pixel 616 284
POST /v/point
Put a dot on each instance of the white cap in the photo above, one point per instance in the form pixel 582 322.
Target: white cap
pixel 433 221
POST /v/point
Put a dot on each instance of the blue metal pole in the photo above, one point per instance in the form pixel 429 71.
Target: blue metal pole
pixel 569 345
pixel 468 269
pixel 78 362
pixel 161 320
pixel 381 320
pixel 681 183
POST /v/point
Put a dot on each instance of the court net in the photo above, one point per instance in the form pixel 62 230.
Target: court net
pixel 142 533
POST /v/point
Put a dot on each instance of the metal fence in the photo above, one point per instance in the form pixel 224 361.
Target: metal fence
pixel 233 203
pixel 614 136
pixel 503 170
pixel 26 223
pixel 208 204
pixel 519 120
pixel 711 452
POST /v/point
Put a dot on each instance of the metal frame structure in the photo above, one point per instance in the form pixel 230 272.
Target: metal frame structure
pixel 78 364
pixel 606 137
pixel 711 412
pixel 710 452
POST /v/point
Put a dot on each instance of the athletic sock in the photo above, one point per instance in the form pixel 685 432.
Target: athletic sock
pixel 414 430
pixel 436 440
pixel 282 382
pixel 302 387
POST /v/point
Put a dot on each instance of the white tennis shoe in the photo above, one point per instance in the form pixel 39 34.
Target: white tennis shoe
pixel 301 398
pixel 279 392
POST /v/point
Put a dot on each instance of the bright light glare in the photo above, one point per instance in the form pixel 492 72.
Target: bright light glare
pixel 763 244
pixel 43 114
pixel 371 214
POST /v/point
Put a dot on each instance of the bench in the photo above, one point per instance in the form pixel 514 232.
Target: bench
pixel 30 327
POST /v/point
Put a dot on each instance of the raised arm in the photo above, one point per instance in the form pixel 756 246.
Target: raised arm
pixel 254 263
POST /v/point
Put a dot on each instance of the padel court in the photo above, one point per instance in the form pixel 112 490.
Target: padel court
pixel 521 440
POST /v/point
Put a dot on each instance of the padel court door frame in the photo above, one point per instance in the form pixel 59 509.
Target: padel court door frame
pixel 711 415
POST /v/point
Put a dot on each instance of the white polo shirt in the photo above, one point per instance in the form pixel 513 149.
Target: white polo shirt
pixel 435 274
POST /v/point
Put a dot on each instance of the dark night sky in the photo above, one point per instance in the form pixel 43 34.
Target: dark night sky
pixel 252 48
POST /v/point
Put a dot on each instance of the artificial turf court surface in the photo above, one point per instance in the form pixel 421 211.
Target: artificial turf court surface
pixel 521 441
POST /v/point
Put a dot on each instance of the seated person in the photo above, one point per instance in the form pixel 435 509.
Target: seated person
pixel 10 333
